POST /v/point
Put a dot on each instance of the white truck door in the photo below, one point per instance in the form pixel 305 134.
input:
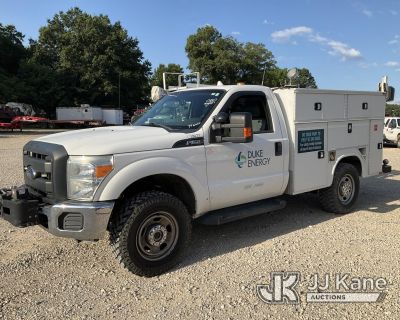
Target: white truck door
pixel 244 172
pixel 390 133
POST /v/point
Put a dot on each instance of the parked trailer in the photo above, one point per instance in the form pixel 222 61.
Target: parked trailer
pixel 88 116
pixel 113 116
pixel 83 113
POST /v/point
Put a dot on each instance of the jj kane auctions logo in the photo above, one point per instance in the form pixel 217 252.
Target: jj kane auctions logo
pixel 337 288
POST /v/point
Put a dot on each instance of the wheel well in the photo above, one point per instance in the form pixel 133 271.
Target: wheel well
pixel 353 160
pixel 168 183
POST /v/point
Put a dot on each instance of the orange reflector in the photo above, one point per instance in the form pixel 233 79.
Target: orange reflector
pixel 102 171
pixel 247 132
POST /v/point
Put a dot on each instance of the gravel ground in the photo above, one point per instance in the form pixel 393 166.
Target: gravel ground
pixel 44 277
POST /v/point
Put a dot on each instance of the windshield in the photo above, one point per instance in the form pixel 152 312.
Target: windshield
pixel 181 110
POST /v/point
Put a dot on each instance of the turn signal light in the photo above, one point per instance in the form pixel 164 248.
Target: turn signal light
pixel 247 132
pixel 102 171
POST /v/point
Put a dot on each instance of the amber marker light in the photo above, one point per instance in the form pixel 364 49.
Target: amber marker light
pixel 102 171
pixel 247 132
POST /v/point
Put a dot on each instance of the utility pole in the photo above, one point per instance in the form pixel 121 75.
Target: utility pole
pixel 119 90
pixel 263 77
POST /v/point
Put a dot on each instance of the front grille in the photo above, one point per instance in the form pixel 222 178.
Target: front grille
pixel 35 155
pixel 45 170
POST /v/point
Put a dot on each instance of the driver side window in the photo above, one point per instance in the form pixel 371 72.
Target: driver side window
pixel 258 107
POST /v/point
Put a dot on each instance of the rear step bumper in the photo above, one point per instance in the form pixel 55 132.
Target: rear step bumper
pixel 242 211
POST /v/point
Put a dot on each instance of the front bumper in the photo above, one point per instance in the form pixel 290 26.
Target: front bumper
pixel 69 219
pixel 78 220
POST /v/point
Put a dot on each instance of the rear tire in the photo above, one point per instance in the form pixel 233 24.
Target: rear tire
pixel 150 232
pixel 342 194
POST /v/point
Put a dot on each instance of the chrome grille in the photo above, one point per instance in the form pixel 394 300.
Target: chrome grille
pixel 35 155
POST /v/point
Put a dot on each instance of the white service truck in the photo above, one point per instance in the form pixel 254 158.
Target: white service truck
pixel 391 131
pixel 216 154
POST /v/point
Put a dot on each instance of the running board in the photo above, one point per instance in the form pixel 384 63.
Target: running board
pixel 241 211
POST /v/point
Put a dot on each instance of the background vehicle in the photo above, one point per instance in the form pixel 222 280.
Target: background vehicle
pixel 391 130
pixel 217 154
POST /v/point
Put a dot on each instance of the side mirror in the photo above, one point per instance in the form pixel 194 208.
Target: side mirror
pixel 390 94
pixel 221 117
pixel 238 130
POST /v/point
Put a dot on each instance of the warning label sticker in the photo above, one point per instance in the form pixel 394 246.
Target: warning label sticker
pixel 310 140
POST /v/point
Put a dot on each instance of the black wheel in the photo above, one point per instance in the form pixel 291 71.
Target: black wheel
pixel 398 141
pixel 343 193
pixel 150 232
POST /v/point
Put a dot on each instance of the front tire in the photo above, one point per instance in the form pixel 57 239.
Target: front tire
pixel 342 194
pixel 150 232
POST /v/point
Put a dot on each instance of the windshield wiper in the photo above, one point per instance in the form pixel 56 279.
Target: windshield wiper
pixel 159 125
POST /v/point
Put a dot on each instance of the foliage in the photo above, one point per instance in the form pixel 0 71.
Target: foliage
pixel 95 55
pixel 81 58
pixel 172 80
pixel 226 59
pixel 277 77
pixel 392 110
pixel 12 50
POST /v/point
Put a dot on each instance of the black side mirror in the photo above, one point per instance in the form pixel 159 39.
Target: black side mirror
pixel 390 94
pixel 221 117
pixel 239 128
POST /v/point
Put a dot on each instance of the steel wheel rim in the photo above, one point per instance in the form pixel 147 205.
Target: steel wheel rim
pixel 346 189
pixel 157 236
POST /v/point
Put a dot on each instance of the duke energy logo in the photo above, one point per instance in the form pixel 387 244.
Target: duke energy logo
pixel 240 160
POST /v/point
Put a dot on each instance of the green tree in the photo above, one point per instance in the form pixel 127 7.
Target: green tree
pixel 200 51
pixel 278 77
pixel 12 50
pixel 256 59
pixel 224 58
pixel 306 79
pixel 172 80
pixel 95 56
pixel 392 110
pixel 275 77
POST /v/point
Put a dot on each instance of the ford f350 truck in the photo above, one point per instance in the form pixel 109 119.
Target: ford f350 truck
pixel 216 154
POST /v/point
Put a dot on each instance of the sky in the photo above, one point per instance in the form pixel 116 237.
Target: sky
pixel 345 44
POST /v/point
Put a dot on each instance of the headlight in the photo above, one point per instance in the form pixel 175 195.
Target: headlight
pixel 84 175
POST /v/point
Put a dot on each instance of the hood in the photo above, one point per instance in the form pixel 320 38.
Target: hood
pixel 114 140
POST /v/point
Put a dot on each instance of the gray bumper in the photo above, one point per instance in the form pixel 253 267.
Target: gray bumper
pixel 79 220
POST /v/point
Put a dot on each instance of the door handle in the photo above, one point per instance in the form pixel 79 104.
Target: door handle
pixel 278 148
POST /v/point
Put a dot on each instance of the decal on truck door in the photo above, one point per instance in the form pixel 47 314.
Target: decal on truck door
pixel 310 140
pixel 254 158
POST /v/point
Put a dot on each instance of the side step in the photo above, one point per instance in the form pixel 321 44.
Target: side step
pixel 241 211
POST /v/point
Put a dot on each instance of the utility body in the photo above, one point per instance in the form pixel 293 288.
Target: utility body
pixel 216 154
